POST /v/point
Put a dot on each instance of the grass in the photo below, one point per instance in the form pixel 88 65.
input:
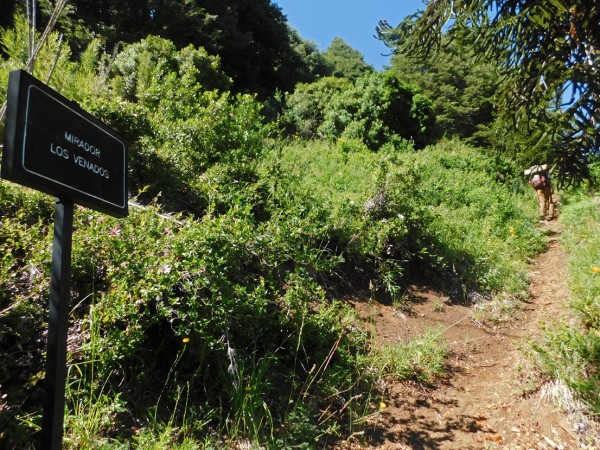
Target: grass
pixel 422 358
pixel 568 353
pixel 91 408
pixel 582 241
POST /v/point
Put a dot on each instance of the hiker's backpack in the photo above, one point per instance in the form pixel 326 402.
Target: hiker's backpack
pixel 539 181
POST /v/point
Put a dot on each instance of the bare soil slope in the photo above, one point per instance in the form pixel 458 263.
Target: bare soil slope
pixel 490 398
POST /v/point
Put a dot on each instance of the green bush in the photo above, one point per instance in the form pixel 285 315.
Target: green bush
pixel 375 109
pixel 305 107
pixel 483 229
pixel 25 246
pixel 177 303
pixel 142 71
pixel 180 123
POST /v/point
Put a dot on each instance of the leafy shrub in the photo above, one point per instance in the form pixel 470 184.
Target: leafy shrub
pixel 177 124
pixel 25 237
pixel 330 195
pixel 180 302
pixel 141 71
pixel 482 228
pixel 305 107
pixel 376 109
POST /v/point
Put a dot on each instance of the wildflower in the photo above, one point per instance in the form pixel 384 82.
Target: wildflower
pixel 185 340
pixel 595 269
pixel 512 232
pixel 116 231
pixel 382 405
pixel 165 268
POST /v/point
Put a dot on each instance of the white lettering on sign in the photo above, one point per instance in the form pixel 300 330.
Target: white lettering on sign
pixel 59 151
pixel 94 151
pixel 81 161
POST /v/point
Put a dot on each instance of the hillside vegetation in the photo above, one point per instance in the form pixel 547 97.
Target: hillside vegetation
pixel 215 315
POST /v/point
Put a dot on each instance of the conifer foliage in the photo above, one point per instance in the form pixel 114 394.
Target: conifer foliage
pixel 548 56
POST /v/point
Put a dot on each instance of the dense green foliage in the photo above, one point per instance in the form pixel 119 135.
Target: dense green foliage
pixel 414 210
pixel 461 90
pixel 252 38
pixel 214 321
pixel 376 109
pixel 345 61
pixel 547 54
pixel 238 315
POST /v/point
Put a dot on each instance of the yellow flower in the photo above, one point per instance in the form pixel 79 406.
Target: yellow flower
pixel 595 269
pixel 185 340
pixel 382 405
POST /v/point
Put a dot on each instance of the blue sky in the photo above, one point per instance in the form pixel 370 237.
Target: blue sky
pixel 352 20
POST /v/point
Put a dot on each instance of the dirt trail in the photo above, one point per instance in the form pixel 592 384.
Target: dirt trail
pixel 489 400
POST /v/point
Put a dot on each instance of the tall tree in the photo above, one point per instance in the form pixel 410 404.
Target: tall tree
pixel 251 37
pixel 345 61
pixel 461 89
pixel 310 62
pixel 548 57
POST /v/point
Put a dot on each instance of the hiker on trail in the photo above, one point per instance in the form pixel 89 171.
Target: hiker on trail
pixel 540 181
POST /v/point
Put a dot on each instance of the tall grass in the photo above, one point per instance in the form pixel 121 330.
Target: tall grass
pixel 448 208
pixel 422 358
pixel 572 353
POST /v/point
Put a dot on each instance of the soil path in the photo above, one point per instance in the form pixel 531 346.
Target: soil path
pixel 490 398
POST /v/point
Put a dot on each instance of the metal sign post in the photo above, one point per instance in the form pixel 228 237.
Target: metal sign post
pixel 58 324
pixel 52 145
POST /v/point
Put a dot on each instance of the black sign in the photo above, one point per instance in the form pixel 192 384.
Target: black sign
pixel 52 145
